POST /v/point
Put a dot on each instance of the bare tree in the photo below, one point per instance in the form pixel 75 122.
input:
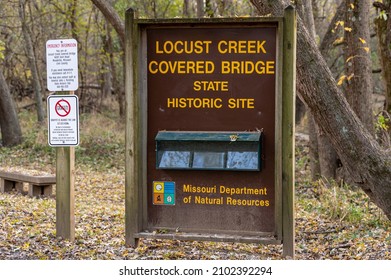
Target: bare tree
pixel 9 122
pixel 32 61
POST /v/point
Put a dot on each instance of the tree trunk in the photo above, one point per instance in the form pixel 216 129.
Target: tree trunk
pixel 366 161
pixel 185 10
pixel 313 147
pixel 323 157
pixel 358 66
pixel 305 11
pixel 32 61
pixel 200 8
pixel 9 122
pixel 328 157
pixel 111 15
pixel 383 27
pixel 108 70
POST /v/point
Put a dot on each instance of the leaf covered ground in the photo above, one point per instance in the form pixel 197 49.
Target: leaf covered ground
pixel 333 221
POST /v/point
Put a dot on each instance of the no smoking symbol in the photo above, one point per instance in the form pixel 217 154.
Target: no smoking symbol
pixel 63 108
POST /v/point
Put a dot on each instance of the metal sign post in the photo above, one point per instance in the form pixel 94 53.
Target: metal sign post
pixel 63 128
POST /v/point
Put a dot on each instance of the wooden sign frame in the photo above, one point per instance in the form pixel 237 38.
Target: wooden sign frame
pixel 136 195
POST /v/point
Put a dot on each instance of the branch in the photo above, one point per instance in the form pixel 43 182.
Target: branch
pixel 112 16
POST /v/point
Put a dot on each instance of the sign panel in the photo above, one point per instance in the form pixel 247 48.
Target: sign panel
pixel 63 120
pixel 210 125
pixel 62 65
pixel 221 81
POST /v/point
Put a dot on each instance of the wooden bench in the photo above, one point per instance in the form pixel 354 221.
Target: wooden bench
pixel 38 185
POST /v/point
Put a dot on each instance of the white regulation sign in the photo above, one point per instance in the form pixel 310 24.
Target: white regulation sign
pixel 63 120
pixel 62 65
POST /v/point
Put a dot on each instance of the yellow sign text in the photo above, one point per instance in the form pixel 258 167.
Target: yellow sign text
pixel 247 67
pixel 183 47
pixel 241 46
pixel 181 67
pixel 210 85
pixel 197 103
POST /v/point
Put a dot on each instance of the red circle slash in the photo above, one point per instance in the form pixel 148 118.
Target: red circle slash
pixel 63 108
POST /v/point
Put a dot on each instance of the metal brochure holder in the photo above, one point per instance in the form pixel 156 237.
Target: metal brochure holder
pixel 234 151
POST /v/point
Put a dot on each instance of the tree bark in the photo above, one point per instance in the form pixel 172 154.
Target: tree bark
pixel 200 8
pixel 383 27
pixel 358 65
pixel 328 157
pixel 366 161
pixel 9 122
pixel 323 157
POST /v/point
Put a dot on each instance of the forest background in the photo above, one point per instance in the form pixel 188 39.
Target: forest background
pixel 336 216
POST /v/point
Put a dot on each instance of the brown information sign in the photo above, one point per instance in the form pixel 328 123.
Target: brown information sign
pixel 205 148
pixel 211 79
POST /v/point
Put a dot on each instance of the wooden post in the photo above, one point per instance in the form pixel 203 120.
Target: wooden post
pixel 65 197
pixel 288 131
pixel 132 135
